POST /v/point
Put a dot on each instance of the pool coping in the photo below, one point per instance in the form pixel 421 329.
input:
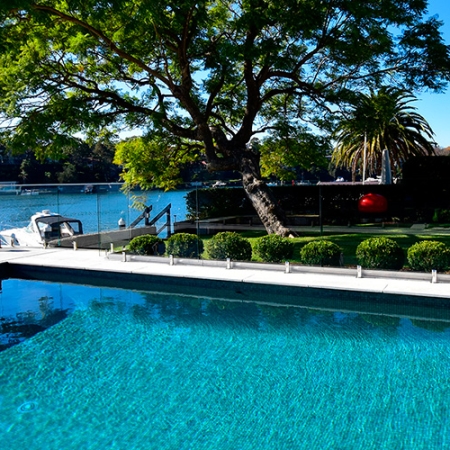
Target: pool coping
pixel 357 278
pixel 284 267
pixel 371 291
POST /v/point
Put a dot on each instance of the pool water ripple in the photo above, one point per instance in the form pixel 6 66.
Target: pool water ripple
pixel 27 407
pixel 153 371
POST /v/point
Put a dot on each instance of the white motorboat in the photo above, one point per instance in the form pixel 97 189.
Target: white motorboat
pixel 47 229
pixel 44 227
pixel 219 184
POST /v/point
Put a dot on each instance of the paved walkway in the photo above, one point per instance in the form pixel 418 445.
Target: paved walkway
pixel 97 262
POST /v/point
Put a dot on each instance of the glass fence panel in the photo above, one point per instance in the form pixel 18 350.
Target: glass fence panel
pixel 107 213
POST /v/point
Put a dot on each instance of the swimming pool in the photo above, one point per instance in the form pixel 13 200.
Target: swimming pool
pixel 143 370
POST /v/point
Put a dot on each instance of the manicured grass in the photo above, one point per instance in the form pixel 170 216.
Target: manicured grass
pixel 349 241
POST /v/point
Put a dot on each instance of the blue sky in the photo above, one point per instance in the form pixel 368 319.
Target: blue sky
pixel 433 107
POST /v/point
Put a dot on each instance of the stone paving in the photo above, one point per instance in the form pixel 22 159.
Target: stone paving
pixel 339 279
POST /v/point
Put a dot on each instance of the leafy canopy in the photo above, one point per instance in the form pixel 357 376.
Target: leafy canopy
pixel 210 73
pixel 288 148
pixel 382 120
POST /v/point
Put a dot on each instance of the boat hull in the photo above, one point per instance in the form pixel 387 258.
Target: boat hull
pixel 102 240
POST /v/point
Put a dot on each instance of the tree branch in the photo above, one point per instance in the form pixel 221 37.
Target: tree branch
pixel 103 38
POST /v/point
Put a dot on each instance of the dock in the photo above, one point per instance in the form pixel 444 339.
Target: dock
pixel 402 294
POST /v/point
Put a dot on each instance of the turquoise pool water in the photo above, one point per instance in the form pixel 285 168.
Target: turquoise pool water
pixel 134 370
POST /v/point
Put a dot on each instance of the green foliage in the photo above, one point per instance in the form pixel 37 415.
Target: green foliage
pixel 184 245
pixel 289 147
pixel 321 252
pixel 209 75
pixel 147 244
pixel 349 242
pixel 200 79
pixel 231 245
pixel 380 253
pixel 428 255
pixel 148 163
pixel 441 215
pixel 382 120
pixel 273 248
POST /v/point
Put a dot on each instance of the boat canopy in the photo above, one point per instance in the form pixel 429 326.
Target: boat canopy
pixel 56 226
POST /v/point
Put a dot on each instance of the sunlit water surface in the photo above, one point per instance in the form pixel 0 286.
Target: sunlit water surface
pixel 115 369
pixel 97 212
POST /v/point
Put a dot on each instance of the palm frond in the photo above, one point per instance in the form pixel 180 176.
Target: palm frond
pixel 384 120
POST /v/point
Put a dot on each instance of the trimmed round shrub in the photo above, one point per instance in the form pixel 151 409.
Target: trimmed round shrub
pixel 273 248
pixel 429 255
pixel 229 244
pixel 147 244
pixel 321 252
pixel 380 253
pixel 184 245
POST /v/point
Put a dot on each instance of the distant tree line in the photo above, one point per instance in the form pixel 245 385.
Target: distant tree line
pixel 78 164
pixel 86 163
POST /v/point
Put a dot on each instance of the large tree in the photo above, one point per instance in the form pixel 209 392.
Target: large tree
pixel 377 121
pixel 201 78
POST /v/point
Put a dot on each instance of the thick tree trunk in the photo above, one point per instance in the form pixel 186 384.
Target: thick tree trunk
pixel 262 198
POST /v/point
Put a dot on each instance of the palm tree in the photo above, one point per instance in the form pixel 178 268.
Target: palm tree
pixel 378 121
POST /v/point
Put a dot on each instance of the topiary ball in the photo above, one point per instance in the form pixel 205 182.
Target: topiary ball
pixel 273 248
pixel 429 255
pixel 321 252
pixel 228 244
pixel 380 253
pixel 184 245
pixel 147 244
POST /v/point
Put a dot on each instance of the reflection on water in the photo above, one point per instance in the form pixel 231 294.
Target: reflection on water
pixel 24 313
pixel 146 370
pixel 29 307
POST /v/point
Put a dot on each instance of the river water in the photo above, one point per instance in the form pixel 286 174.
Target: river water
pixel 99 211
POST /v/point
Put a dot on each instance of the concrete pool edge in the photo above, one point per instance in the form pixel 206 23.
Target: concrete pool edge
pixel 311 287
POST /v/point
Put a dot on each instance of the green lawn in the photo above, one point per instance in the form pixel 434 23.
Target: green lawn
pixel 349 241
pixel 346 241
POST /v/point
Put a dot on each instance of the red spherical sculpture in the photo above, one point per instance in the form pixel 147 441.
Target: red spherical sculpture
pixel 372 203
